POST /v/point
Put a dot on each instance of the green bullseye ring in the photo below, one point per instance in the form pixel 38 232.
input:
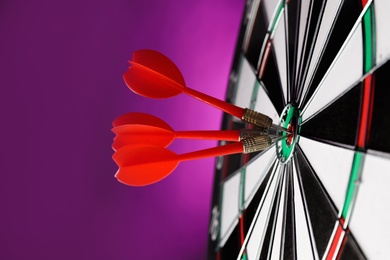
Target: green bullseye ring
pixel 290 120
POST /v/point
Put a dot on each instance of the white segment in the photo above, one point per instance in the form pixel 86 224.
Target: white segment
pixel 305 6
pixel 332 165
pixel 279 44
pixel 246 83
pixel 382 21
pixel 279 235
pixel 344 72
pixel 370 220
pixel 264 104
pixel 230 206
pixel 329 16
pixel 302 224
pixel 270 7
pixel 255 173
pixel 255 238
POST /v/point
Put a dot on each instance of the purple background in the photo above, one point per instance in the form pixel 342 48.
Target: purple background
pixel 61 66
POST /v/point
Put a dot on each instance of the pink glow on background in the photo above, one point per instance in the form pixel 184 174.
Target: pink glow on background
pixel 61 72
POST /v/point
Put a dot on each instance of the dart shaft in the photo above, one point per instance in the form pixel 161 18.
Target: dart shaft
pixel 247 115
pixel 213 152
pixel 228 135
pixel 222 105
pixel 225 135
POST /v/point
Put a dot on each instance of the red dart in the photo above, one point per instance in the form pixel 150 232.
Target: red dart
pixel 141 128
pixel 141 165
pixel 153 75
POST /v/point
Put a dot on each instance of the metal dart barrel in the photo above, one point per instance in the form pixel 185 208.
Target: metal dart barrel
pixel 258 143
pixel 260 120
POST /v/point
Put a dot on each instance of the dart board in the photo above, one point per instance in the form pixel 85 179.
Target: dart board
pixel 322 70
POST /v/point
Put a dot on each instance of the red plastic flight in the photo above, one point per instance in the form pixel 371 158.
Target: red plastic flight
pixel 153 75
pixel 141 165
pixel 141 128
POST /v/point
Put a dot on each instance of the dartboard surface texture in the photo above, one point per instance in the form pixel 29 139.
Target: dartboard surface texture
pixel 322 70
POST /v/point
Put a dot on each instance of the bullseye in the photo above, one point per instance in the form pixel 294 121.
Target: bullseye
pixel 290 137
pixel 290 120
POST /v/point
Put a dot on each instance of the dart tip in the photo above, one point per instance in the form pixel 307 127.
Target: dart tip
pixel 280 128
pixel 278 138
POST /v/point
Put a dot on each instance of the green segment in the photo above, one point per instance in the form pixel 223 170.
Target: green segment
pixel 369 62
pixel 254 95
pixel 285 146
pixel 242 198
pixel 286 149
pixel 369 50
pixel 278 13
pixel 352 184
pixel 242 189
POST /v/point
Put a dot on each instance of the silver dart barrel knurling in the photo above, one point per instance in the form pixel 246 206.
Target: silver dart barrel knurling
pixel 257 143
pixel 247 133
pixel 255 118
pixel 260 120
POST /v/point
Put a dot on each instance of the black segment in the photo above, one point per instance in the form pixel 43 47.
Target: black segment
pixel 350 249
pixel 321 210
pixel 293 13
pixel 315 15
pixel 272 83
pixel 233 162
pixel 347 17
pixel 338 123
pixel 257 36
pixel 289 252
pixel 232 247
pixel 378 138
pixel 251 156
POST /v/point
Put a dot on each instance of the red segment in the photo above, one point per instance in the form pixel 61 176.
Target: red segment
pixel 366 112
pixel 242 234
pixel 265 58
pixel 290 137
pixel 342 221
pixel 333 250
